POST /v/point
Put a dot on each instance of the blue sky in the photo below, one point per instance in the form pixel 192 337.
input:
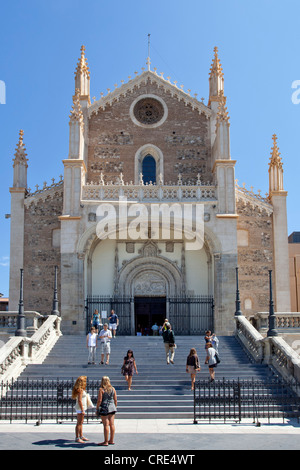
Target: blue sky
pixel 258 44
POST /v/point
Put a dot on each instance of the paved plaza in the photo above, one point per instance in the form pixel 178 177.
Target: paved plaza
pixel 158 435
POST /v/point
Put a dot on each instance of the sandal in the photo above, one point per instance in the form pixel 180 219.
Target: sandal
pixel 84 438
pixel 79 440
pixel 102 444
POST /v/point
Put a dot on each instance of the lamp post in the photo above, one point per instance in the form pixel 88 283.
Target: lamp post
pixel 237 300
pixel 55 310
pixel 272 317
pixel 21 317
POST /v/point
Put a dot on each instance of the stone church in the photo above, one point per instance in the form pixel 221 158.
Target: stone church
pixel 148 144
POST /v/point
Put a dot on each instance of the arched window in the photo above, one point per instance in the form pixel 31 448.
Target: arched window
pixel 149 169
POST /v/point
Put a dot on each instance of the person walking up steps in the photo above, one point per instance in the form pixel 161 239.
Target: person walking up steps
pixel 192 366
pixel 211 360
pixel 128 367
pixel 169 342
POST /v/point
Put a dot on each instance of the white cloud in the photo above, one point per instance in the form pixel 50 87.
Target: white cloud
pixel 4 261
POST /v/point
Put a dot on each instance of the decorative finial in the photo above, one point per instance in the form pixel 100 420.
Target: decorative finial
pixel 275 159
pixel 82 65
pixel 216 68
pixel 20 155
pixel 148 58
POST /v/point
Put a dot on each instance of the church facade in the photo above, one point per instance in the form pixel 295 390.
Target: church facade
pixel 147 217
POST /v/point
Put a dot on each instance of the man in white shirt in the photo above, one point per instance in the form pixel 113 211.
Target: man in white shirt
pixel 105 337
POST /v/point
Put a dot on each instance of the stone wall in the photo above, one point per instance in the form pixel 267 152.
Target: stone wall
pixel 183 138
pixel 255 257
pixel 41 251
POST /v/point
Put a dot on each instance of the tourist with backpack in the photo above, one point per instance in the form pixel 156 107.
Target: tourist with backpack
pixel 169 342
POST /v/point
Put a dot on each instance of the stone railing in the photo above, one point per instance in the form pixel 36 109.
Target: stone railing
pixel 148 192
pixel 20 351
pixel 286 321
pixel 9 321
pixel 271 350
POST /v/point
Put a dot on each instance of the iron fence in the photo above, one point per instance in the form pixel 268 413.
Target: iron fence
pixel 106 303
pixel 236 399
pixel 189 315
pixel 42 400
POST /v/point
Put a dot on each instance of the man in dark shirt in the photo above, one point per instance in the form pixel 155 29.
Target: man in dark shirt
pixel 169 342
pixel 113 322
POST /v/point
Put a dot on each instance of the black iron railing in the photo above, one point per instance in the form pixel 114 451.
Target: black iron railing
pixel 43 400
pixel 238 399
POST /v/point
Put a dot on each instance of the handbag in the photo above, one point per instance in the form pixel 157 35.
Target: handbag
pixel 89 403
pixel 217 357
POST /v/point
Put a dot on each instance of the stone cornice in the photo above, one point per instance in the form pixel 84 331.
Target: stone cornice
pixel 68 162
pixel 136 82
pixel 253 199
pixel 278 193
pixel 44 193
pixel 17 190
pixel 223 163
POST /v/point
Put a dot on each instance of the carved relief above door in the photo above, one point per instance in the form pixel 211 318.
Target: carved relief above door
pixel 149 284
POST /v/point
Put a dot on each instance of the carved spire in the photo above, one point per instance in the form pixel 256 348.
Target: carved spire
pixel 222 114
pixel 82 76
pixel 216 67
pixel 216 78
pixel 20 164
pixel 275 168
pixel 275 159
pixel 76 111
pixel 76 126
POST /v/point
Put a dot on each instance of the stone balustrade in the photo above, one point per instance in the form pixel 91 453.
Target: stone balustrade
pixel 19 351
pixel 8 322
pixel 285 321
pixel 271 350
pixel 148 192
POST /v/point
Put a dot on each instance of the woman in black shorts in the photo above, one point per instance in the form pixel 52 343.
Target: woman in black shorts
pixel 106 408
pixel 211 360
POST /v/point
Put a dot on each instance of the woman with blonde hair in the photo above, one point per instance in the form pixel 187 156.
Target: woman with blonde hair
pixel 79 394
pixel 192 366
pixel 106 408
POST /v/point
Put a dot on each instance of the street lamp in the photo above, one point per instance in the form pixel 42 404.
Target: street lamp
pixel 237 300
pixel 272 317
pixel 21 317
pixel 55 310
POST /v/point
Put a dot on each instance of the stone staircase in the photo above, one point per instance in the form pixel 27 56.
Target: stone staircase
pixel 159 390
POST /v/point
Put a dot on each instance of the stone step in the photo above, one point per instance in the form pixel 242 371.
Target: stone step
pixel 159 390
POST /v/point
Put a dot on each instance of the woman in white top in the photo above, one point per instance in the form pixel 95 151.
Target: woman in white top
pixel 79 394
pixel 211 360
pixel 91 344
